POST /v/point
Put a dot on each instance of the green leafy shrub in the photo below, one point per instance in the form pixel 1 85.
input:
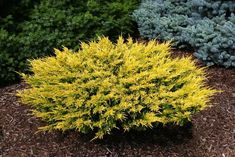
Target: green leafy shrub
pixel 206 25
pixel 50 23
pixel 106 86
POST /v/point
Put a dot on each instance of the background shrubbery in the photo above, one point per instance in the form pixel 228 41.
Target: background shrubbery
pixel 207 25
pixel 31 29
pixel 107 86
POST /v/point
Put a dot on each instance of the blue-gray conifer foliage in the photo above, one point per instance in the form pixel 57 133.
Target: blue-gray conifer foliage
pixel 206 25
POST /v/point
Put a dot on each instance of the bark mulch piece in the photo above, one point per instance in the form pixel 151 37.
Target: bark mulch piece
pixel 211 134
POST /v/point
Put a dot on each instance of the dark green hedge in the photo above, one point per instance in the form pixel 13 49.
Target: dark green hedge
pixel 42 26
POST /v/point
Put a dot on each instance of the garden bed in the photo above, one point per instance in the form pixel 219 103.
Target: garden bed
pixel 212 133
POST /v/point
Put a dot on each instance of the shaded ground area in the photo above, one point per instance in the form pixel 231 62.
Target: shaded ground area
pixel 212 133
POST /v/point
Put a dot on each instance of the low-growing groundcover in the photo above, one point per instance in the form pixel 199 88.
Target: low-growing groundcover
pixel 106 86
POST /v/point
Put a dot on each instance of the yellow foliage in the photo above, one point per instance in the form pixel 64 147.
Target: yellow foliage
pixel 124 85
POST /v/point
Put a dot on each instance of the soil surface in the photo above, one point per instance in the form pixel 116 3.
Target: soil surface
pixel 211 133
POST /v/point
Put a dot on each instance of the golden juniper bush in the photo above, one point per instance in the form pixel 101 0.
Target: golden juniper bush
pixel 103 86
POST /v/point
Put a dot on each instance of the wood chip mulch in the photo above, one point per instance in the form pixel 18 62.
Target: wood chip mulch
pixel 212 133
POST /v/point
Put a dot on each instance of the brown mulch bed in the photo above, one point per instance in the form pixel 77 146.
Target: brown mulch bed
pixel 211 134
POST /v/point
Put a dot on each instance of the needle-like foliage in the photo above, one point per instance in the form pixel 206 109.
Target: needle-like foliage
pixel 208 26
pixel 103 86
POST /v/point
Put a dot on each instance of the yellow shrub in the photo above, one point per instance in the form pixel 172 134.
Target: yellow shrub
pixel 104 86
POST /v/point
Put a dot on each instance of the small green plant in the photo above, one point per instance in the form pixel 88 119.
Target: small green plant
pixel 106 86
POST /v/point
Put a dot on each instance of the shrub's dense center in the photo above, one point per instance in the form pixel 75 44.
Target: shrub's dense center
pixel 105 86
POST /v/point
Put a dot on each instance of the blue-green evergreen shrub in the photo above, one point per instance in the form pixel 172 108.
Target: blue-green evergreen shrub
pixel 206 25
